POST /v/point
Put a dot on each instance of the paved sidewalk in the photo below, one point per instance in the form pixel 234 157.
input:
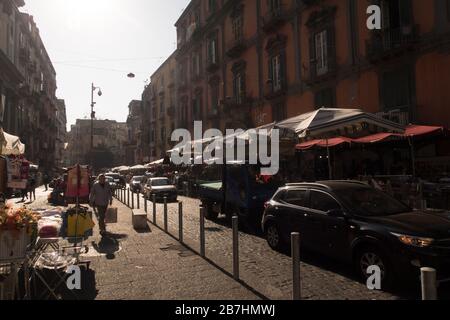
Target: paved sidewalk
pixel 152 265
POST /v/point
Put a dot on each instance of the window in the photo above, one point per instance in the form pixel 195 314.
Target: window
pixel 214 98
pixel 212 6
pixel 397 89
pixel 396 13
pixel 238 27
pixel 197 107
pixel 196 65
pixel 321 46
pixel 276 72
pixel 163 134
pixel 212 50
pixel 239 87
pixel 296 197
pixel 152 135
pixel 323 202
pixel 274 6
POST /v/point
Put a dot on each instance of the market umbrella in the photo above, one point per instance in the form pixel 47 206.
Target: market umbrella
pixel 326 123
pixel 10 145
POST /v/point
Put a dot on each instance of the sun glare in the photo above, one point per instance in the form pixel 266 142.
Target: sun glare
pixel 82 13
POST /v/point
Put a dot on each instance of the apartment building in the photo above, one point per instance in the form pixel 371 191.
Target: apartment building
pixel 61 133
pixel 164 110
pixel 28 105
pixel 245 63
pixel 110 143
pixel 134 121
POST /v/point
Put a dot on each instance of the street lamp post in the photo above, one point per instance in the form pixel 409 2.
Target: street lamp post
pixel 93 89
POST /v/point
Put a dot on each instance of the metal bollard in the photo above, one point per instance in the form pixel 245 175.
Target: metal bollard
pixel 128 197
pixel 295 247
pixel 429 283
pixel 236 247
pixel 165 214
pixel 180 221
pixel 138 200
pixel 202 232
pixel 154 210
pixel 132 199
pixel 145 203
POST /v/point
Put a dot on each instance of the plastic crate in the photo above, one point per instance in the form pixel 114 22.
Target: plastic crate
pixel 13 244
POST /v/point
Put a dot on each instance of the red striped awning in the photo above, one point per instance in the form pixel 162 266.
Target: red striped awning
pixel 410 131
pixel 323 143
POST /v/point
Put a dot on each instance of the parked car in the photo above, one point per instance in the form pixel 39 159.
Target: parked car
pixel 356 223
pixel 112 182
pixel 160 187
pixel 136 184
pixel 118 180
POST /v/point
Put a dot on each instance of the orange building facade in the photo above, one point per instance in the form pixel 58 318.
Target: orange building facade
pixel 245 63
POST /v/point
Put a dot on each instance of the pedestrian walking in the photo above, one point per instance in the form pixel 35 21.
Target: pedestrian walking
pixel 99 199
pixel 32 187
pixel 25 191
pixel 46 179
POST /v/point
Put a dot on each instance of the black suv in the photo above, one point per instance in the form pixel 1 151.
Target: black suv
pixel 356 223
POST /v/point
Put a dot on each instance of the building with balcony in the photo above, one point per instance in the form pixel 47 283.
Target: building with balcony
pixel 165 114
pixel 61 133
pixel 28 105
pixel 244 63
pixel 134 121
pixel 110 142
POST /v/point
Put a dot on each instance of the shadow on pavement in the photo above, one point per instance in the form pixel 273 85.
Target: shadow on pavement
pixel 88 289
pixel 108 246
pixel 404 289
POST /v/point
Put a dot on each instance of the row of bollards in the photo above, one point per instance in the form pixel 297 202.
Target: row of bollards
pixel 429 281
pixel 124 197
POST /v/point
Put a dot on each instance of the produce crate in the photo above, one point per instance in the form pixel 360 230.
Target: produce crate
pixel 13 244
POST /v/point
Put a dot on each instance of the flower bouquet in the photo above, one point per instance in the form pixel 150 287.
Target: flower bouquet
pixel 17 227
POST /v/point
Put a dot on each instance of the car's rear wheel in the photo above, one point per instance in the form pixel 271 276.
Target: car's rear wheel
pixel 273 236
pixel 369 256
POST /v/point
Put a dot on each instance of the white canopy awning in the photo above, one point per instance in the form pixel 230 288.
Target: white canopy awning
pixel 326 120
pixel 10 145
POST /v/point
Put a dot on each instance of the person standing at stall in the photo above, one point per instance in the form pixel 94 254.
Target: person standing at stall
pixel 46 181
pixel 32 188
pixel 100 198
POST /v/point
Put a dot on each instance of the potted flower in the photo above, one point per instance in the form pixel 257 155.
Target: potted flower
pixel 17 227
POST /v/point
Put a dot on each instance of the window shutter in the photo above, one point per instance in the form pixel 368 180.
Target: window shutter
pixel 331 47
pixel 283 70
pixel 271 70
pixel 312 55
pixel 242 93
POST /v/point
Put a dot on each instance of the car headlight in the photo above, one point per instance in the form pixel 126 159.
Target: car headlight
pixel 414 241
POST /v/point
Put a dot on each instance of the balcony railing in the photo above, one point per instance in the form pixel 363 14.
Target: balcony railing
pixel 392 40
pixel 236 47
pixel 235 102
pixel 271 91
pixel 212 66
pixel 317 75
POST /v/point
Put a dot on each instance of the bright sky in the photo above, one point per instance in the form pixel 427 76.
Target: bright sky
pixel 101 41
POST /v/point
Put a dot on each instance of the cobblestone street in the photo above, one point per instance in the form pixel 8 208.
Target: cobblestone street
pixel 267 271
pixel 154 265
